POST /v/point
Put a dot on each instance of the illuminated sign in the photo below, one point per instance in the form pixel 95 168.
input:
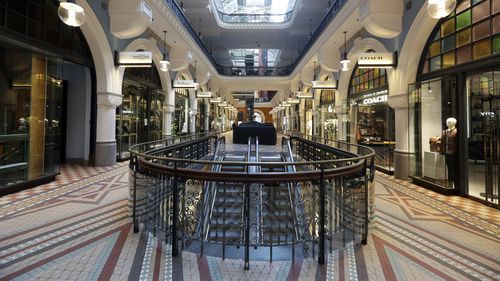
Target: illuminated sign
pixel 133 59
pixel 377 60
pixel 204 94
pixel 376 99
pixel 324 85
pixel 185 84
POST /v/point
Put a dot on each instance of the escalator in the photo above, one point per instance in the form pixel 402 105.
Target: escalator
pixel 271 212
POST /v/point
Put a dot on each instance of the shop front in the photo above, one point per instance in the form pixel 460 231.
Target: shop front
pixel 180 125
pixel 329 121
pixel 371 118
pixel 455 105
pixel 45 95
pixel 140 116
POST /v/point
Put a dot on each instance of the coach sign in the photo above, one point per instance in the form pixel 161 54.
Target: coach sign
pixel 377 60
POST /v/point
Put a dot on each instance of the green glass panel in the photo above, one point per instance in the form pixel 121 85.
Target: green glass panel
pixel 481 49
pixel 437 36
pixel 382 71
pixel 449 59
pixel 476 1
pixel 463 37
pixel 448 27
pixel 496 44
pixel 463 20
pixel 448 43
pixel 435 63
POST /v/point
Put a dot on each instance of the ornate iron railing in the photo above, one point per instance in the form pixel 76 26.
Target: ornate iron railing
pixel 256 71
pixel 319 201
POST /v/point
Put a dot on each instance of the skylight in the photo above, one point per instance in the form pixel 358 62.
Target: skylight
pixel 254 13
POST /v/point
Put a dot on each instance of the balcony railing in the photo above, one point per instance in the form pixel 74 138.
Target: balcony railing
pixel 257 71
pixel 196 197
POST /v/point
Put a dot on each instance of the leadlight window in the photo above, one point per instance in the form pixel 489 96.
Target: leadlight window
pixel 471 32
pixel 367 79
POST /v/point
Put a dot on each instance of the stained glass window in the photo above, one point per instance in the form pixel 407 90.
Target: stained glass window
pixel 367 79
pixel 471 32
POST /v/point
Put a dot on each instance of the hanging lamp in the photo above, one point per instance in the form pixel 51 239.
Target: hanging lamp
pixel 344 62
pixel 71 13
pixel 164 63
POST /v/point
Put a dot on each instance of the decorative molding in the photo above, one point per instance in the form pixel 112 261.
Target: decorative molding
pixel 108 99
pixel 399 101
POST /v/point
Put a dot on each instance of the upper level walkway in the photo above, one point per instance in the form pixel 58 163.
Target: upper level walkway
pixel 79 228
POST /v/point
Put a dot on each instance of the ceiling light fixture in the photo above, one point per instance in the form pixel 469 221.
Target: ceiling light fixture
pixel 440 8
pixel 164 63
pixel 345 61
pixel 310 27
pixel 71 13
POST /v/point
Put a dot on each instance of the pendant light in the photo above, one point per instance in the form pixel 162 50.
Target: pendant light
pixel 345 61
pixel 164 63
pixel 71 13
pixel 440 8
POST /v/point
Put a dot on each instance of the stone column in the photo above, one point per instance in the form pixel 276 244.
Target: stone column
pixel 169 111
pixel 302 116
pixel 193 110
pixel 402 152
pixel 207 116
pixel 105 150
pixel 341 117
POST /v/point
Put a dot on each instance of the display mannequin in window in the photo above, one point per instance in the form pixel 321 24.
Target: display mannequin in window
pixel 449 147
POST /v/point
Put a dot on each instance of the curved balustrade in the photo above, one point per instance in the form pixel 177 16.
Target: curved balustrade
pixel 306 199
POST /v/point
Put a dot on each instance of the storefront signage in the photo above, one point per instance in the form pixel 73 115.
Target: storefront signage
pixel 376 99
pixel 204 95
pixel 324 85
pixel 377 60
pixel 186 84
pixel 133 59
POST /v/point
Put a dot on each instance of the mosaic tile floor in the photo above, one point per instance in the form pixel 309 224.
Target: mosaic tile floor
pixel 78 228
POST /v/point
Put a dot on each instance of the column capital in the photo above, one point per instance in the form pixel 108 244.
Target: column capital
pixel 109 99
pixel 398 101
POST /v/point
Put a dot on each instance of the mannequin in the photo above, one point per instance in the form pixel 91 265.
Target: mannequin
pixel 449 147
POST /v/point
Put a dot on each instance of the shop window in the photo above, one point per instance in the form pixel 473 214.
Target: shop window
pixel 475 22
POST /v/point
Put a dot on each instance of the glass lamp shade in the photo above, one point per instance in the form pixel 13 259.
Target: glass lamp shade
pixel 344 64
pixel 440 8
pixel 164 65
pixel 71 13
